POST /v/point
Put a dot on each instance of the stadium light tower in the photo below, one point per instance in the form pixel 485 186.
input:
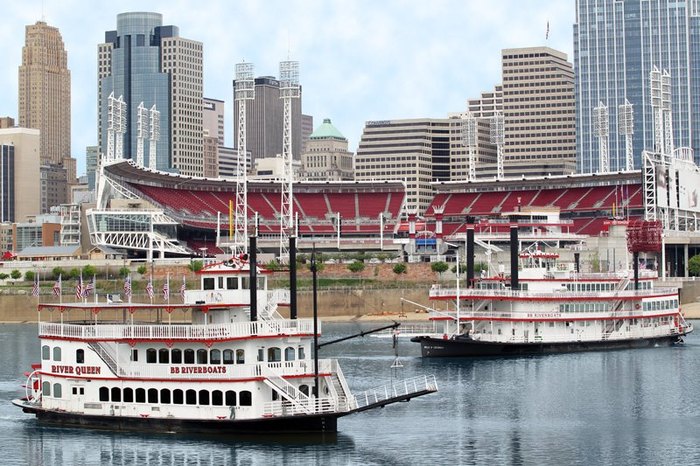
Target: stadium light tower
pixel 141 132
pixel 657 109
pixel 625 126
pixel 666 111
pixel 601 130
pixel 469 140
pixel 289 89
pixel 498 138
pixel 154 135
pixel 119 127
pixel 245 91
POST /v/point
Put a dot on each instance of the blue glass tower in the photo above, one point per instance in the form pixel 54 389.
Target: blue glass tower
pixel 616 45
pixel 130 66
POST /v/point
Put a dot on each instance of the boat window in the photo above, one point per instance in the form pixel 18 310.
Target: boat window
pixel 231 283
pixel 80 356
pixel 208 283
pixel 230 398
pixel 165 396
pixel 140 395
pixel 46 388
pixel 304 389
pixel 274 354
pixel 56 353
pixel 228 356
pixel 201 356
pixel 240 356
pixel 275 395
pixel 128 395
pixel 261 354
pixel 245 398
pixel 164 356
pixel 245 283
pixel 178 398
pixel 215 356
pixel 176 356
pixel 217 398
pixel 153 395
pixel 134 355
pixel 116 394
pixel 261 283
pixel 189 356
pixel 289 353
pixel 204 397
pixel 45 352
pixel 151 356
pixel 191 397
pixel 104 394
pixel 57 390
pixel 302 354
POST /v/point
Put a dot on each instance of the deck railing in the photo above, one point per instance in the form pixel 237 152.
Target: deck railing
pixel 403 388
pixel 564 295
pixel 99 331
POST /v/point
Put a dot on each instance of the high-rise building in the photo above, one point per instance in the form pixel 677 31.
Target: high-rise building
pixel 44 91
pixel 19 174
pixel 213 118
pixel 146 62
pixel 307 127
pixel 91 157
pixel 536 100
pixel 264 121
pixel 616 46
pixel 326 157
pixel 417 151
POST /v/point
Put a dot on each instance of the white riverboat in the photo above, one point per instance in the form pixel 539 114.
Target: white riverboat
pixel 551 308
pixel 212 365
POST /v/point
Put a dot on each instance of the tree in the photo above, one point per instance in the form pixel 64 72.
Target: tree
pixel 4 276
pixel 356 266
pixel 124 272
pixel 74 274
pixel 439 267
pixel 29 276
pixel 15 274
pixel 400 268
pixel 58 271
pixel 142 270
pixel 195 266
pixel 694 266
pixel 273 266
pixel 89 271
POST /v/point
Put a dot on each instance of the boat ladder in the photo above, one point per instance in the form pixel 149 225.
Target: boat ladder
pixel 288 391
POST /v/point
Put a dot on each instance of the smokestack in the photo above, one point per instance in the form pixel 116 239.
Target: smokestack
pixel 635 267
pixel 470 253
pixel 514 257
pixel 577 262
pixel 292 277
pixel 253 264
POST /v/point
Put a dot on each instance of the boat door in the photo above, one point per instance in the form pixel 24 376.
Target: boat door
pixel 526 335
pixel 78 394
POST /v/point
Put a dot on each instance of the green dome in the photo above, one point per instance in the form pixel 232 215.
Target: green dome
pixel 327 131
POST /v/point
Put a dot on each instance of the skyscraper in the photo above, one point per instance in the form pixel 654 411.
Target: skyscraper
pixel 616 46
pixel 264 120
pixel 146 62
pixel 44 91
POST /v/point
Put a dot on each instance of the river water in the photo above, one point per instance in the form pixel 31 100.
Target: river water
pixel 627 407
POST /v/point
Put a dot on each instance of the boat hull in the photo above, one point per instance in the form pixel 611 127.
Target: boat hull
pixel 283 424
pixel 432 347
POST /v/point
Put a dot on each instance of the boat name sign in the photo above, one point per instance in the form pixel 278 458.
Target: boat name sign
pixel 198 370
pixel 77 370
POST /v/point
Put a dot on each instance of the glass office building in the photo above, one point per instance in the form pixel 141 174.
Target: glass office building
pixel 617 43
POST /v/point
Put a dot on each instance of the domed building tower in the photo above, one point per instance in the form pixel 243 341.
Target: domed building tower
pixel 326 157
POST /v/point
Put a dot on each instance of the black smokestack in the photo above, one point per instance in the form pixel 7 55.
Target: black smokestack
pixel 253 263
pixel 470 253
pixel 292 277
pixel 514 257
pixel 635 267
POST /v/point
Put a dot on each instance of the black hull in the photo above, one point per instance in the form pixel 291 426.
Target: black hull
pixel 466 347
pixel 272 425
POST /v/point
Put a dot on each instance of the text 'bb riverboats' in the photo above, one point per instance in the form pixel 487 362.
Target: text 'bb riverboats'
pixel 545 306
pixel 236 365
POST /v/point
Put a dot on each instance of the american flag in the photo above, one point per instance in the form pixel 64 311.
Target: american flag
pixel 166 288
pixel 89 287
pixel 149 287
pixel 79 288
pixel 127 286
pixel 35 288
pixel 183 288
pixel 57 287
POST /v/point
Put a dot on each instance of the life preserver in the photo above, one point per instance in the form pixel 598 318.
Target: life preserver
pixel 637 306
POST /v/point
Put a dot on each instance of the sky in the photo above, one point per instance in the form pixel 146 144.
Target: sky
pixel 359 60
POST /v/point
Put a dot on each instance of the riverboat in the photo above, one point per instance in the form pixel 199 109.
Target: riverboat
pixel 224 361
pixel 545 306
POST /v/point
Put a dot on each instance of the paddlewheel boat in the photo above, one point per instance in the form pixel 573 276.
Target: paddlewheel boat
pixel 212 365
pixel 545 306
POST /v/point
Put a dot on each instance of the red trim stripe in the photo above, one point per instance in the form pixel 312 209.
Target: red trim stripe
pixel 553 319
pixel 176 381
pixel 175 340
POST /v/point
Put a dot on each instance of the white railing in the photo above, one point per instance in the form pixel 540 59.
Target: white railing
pixel 100 331
pixel 529 314
pixel 404 388
pixel 313 406
pixel 471 293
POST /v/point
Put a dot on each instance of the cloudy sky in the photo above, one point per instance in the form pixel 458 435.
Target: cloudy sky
pixel 359 60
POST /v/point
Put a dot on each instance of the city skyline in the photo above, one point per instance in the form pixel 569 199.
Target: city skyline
pixel 359 61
